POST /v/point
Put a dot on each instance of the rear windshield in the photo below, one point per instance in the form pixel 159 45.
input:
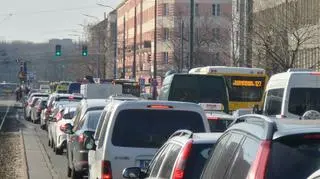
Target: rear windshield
pixel 219 125
pixel 151 128
pixel 93 119
pixel 294 157
pixel 76 99
pixel 304 99
pixel 199 89
pixel 198 156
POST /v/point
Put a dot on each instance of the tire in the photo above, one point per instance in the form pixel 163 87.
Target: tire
pixel 68 171
pixel 59 151
pixel 49 143
pixel 52 144
pixel 75 174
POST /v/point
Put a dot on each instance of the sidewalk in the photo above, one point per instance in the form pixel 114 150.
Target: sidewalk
pixel 39 165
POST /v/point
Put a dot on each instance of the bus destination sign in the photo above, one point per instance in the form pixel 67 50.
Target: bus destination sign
pixel 247 83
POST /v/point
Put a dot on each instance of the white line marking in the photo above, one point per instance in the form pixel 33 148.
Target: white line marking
pixel 4 117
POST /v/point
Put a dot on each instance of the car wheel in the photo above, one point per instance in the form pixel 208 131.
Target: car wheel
pixel 75 174
pixel 68 171
pixel 59 151
pixel 49 143
pixel 52 144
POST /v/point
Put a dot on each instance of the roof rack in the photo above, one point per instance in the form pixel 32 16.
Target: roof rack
pixel 268 125
pixel 184 132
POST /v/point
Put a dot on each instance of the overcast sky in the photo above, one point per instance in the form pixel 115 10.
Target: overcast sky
pixel 41 20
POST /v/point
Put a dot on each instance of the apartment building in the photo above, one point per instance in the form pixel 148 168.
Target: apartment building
pixel 294 33
pixel 136 29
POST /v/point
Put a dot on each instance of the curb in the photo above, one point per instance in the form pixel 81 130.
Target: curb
pixel 46 157
pixel 24 158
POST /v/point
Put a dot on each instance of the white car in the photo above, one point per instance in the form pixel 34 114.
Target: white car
pixel 65 116
pixel 132 132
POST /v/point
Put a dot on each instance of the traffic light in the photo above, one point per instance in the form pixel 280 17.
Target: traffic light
pixel 58 50
pixel 84 50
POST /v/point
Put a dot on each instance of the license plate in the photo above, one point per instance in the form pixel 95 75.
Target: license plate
pixel 144 163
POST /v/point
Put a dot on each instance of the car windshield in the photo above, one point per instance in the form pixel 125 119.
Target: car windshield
pixel 304 99
pixel 67 98
pixel 302 156
pixel 198 156
pixel 92 119
pixel 152 127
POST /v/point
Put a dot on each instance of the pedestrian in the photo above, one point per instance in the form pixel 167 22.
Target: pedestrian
pixel 18 92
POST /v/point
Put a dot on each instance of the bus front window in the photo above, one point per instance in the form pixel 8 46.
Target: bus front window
pixel 245 89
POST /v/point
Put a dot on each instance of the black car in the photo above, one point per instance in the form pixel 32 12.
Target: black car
pixel 259 147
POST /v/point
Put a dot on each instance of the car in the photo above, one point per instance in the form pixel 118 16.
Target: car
pixel 183 155
pixel 315 175
pixel 77 153
pixel 54 98
pixel 261 147
pixel 242 111
pixel 37 109
pixel 63 117
pixel 290 94
pixel 29 103
pixel 132 132
pixel 219 121
pixel 77 169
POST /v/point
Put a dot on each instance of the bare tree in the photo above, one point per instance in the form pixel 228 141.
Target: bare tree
pixel 281 33
pixel 212 40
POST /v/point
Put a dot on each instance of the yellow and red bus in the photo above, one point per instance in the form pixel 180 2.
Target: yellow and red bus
pixel 245 85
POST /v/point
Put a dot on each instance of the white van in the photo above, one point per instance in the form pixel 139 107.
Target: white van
pixel 133 131
pixel 292 93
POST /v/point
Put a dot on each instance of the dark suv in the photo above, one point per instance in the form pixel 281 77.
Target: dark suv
pixel 259 147
pixel 182 157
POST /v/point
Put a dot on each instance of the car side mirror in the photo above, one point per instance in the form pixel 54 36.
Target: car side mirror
pixel 132 172
pixel 256 109
pixel 67 128
pixel 89 143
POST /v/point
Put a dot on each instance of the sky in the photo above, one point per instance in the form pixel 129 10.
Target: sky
pixel 41 20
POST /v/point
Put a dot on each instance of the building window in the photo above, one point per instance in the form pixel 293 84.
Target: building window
pixel 165 57
pixel 216 9
pixel 197 10
pixel 165 9
pixel 166 34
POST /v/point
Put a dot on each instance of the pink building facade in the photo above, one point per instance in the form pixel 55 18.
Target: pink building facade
pixel 136 25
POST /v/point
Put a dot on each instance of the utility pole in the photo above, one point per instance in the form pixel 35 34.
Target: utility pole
pixel 124 48
pixel 182 44
pixel 134 65
pixel 191 33
pixel 154 94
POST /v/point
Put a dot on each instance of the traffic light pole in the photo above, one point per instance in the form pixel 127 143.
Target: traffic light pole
pixel 191 33
pixel 124 48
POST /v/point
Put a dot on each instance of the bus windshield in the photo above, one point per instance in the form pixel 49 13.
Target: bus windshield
pixel 245 89
pixel 199 89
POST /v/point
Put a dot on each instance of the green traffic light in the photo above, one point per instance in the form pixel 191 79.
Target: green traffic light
pixel 84 54
pixel 58 53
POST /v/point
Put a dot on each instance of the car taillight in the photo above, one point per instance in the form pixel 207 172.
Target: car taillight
pixel 62 127
pixel 59 116
pixel 259 166
pixel 178 172
pixel 39 109
pixel 81 138
pixel 213 118
pixel 106 172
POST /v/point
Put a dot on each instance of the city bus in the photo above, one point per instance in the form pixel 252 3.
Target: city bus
pixel 245 85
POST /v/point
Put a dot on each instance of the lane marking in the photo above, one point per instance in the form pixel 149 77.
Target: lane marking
pixel 4 117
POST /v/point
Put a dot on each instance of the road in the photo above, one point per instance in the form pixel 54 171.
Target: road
pixel 11 120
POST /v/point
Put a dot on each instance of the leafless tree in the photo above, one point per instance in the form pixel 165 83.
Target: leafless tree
pixel 281 33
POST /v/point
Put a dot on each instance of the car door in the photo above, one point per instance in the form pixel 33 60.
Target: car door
pixel 97 155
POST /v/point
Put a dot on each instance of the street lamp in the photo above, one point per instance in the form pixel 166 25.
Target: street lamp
pixel 91 16
pixel 99 4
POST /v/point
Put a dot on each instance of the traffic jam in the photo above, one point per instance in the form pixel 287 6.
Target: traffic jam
pixel 213 122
